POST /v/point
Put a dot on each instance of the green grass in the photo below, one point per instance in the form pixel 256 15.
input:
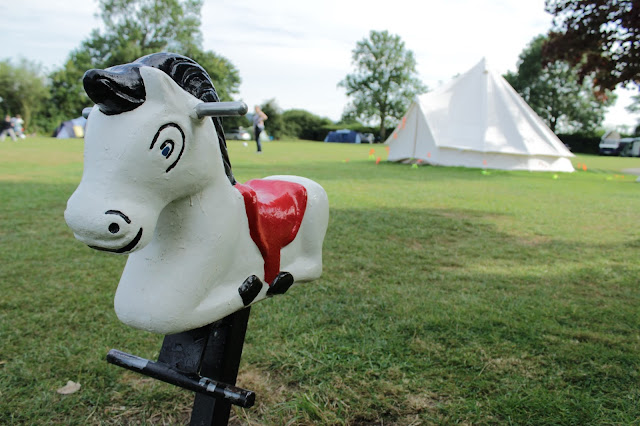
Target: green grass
pixel 448 296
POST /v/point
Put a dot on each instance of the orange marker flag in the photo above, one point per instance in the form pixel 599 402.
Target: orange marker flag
pixel 378 160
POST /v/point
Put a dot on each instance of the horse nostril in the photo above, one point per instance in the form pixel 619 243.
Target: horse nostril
pixel 114 228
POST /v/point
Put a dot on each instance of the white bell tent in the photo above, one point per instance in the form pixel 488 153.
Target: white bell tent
pixel 477 120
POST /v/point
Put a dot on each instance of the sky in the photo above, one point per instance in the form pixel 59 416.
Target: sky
pixel 297 51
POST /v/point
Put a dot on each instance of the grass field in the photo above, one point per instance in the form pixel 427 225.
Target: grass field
pixel 448 296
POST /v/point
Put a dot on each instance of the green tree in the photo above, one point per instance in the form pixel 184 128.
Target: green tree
pixel 635 104
pixel 634 108
pixel 23 90
pixel 134 28
pixel 556 93
pixel 384 81
pixel 68 97
pixel 224 74
pixel 600 37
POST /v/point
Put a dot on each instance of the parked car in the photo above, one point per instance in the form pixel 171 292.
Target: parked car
pixel 238 134
pixel 613 144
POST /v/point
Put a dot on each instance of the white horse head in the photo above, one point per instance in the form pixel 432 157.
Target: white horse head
pixel 157 184
pixel 137 161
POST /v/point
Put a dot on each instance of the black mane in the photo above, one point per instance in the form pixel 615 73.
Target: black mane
pixel 120 88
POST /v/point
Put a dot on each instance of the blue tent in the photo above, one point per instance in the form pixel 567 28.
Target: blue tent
pixel 71 129
pixel 344 136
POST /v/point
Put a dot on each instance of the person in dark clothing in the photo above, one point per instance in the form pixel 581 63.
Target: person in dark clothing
pixel 7 129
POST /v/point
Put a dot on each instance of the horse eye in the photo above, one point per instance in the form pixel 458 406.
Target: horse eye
pixel 169 142
pixel 167 148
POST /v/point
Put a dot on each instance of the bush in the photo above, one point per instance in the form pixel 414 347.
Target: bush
pixel 229 123
pixel 302 124
pixel 274 125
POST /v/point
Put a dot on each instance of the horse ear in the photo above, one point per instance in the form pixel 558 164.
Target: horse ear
pixel 115 90
pixel 220 109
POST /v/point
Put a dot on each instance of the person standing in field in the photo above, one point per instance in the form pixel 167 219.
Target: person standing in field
pixel 18 126
pixel 258 125
pixel 6 128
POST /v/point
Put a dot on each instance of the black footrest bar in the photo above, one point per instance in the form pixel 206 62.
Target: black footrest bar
pixel 158 370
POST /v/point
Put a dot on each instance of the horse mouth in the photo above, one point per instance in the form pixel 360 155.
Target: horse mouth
pixel 130 246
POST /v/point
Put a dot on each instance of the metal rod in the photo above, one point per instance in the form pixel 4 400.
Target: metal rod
pixel 221 109
pixel 202 385
pixel 207 109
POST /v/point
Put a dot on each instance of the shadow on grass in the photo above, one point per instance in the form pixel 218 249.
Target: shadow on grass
pixel 423 314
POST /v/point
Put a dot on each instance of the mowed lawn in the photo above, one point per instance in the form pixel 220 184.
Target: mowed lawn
pixel 449 295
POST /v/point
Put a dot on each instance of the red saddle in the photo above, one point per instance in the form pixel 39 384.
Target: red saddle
pixel 275 209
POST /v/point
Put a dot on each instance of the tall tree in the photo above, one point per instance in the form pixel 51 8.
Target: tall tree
pixel 601 37
pixel 224 74
pixel 634 108
pixel 384 81
pixel 22 89
pixel 635 104
pixel 556 93
pixel 134 28
pixel 68 97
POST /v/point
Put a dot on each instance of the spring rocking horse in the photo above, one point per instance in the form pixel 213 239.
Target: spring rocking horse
pixel 158 186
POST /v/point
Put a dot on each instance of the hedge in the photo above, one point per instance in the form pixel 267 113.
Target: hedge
pixel 582 144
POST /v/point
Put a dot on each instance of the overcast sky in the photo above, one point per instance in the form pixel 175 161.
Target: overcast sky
pixel 296 51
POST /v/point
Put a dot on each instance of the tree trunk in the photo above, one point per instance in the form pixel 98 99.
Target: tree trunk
pixel 383 130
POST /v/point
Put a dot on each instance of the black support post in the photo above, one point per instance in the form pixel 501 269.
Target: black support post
pixel 204 360
pixel 220 362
